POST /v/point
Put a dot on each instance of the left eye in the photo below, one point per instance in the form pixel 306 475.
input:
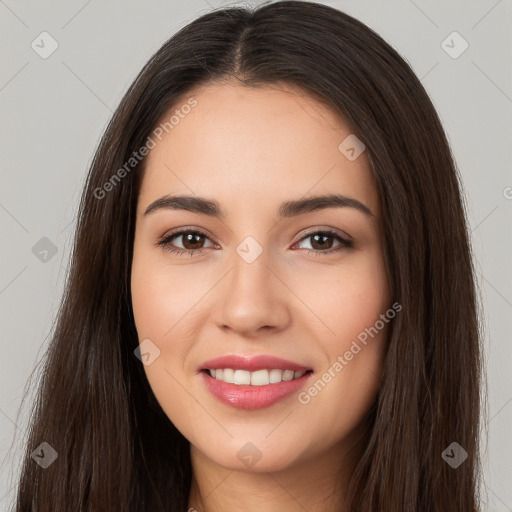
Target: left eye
pixel 320 240
pixel 193 239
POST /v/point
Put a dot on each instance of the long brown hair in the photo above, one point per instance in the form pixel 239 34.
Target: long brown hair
pixel 117 450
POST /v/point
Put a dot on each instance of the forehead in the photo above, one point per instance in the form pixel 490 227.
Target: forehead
pixel 250 146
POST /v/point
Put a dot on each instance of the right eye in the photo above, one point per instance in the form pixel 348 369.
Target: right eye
pixel 191 238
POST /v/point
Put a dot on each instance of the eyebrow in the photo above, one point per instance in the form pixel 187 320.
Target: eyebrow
pixel 212 208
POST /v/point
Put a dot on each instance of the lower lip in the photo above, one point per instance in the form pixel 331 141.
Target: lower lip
pixel 253 397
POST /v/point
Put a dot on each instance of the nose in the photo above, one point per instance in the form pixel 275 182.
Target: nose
pixel 252 299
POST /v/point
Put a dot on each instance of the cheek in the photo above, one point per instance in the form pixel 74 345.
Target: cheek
pixel 352 305
pixel 346 299
pixel 162 296
pixel 160 304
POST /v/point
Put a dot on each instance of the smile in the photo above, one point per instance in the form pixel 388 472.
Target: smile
pixel 246 382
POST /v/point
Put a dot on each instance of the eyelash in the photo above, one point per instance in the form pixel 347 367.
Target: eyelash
pixel 165 242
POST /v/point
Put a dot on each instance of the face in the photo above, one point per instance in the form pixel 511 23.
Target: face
pixel 274 290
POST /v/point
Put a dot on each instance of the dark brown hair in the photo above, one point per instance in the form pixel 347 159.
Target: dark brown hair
pixel 117 450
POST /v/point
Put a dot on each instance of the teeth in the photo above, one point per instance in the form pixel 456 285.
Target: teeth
pixel 228 375
pixel 256 378
pixel 288 375
pixel 242 377
pixel 275 376
pixel 260 378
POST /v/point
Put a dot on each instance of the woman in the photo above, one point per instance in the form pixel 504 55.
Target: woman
pixel 271 301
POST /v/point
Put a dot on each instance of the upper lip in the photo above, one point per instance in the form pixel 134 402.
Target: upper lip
pixel 261 362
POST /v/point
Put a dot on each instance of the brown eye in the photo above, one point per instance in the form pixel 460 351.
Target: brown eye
pixel 322 242
pixel 191 240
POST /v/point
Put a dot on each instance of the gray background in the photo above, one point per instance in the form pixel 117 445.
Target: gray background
pixel 54 111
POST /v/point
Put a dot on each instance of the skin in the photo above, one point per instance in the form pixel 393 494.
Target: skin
pixel 251 149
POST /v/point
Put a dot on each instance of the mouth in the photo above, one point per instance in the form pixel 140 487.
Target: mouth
pixel 253 383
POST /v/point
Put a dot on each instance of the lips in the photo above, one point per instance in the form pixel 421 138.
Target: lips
pixel 250 396
pixel 252 364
